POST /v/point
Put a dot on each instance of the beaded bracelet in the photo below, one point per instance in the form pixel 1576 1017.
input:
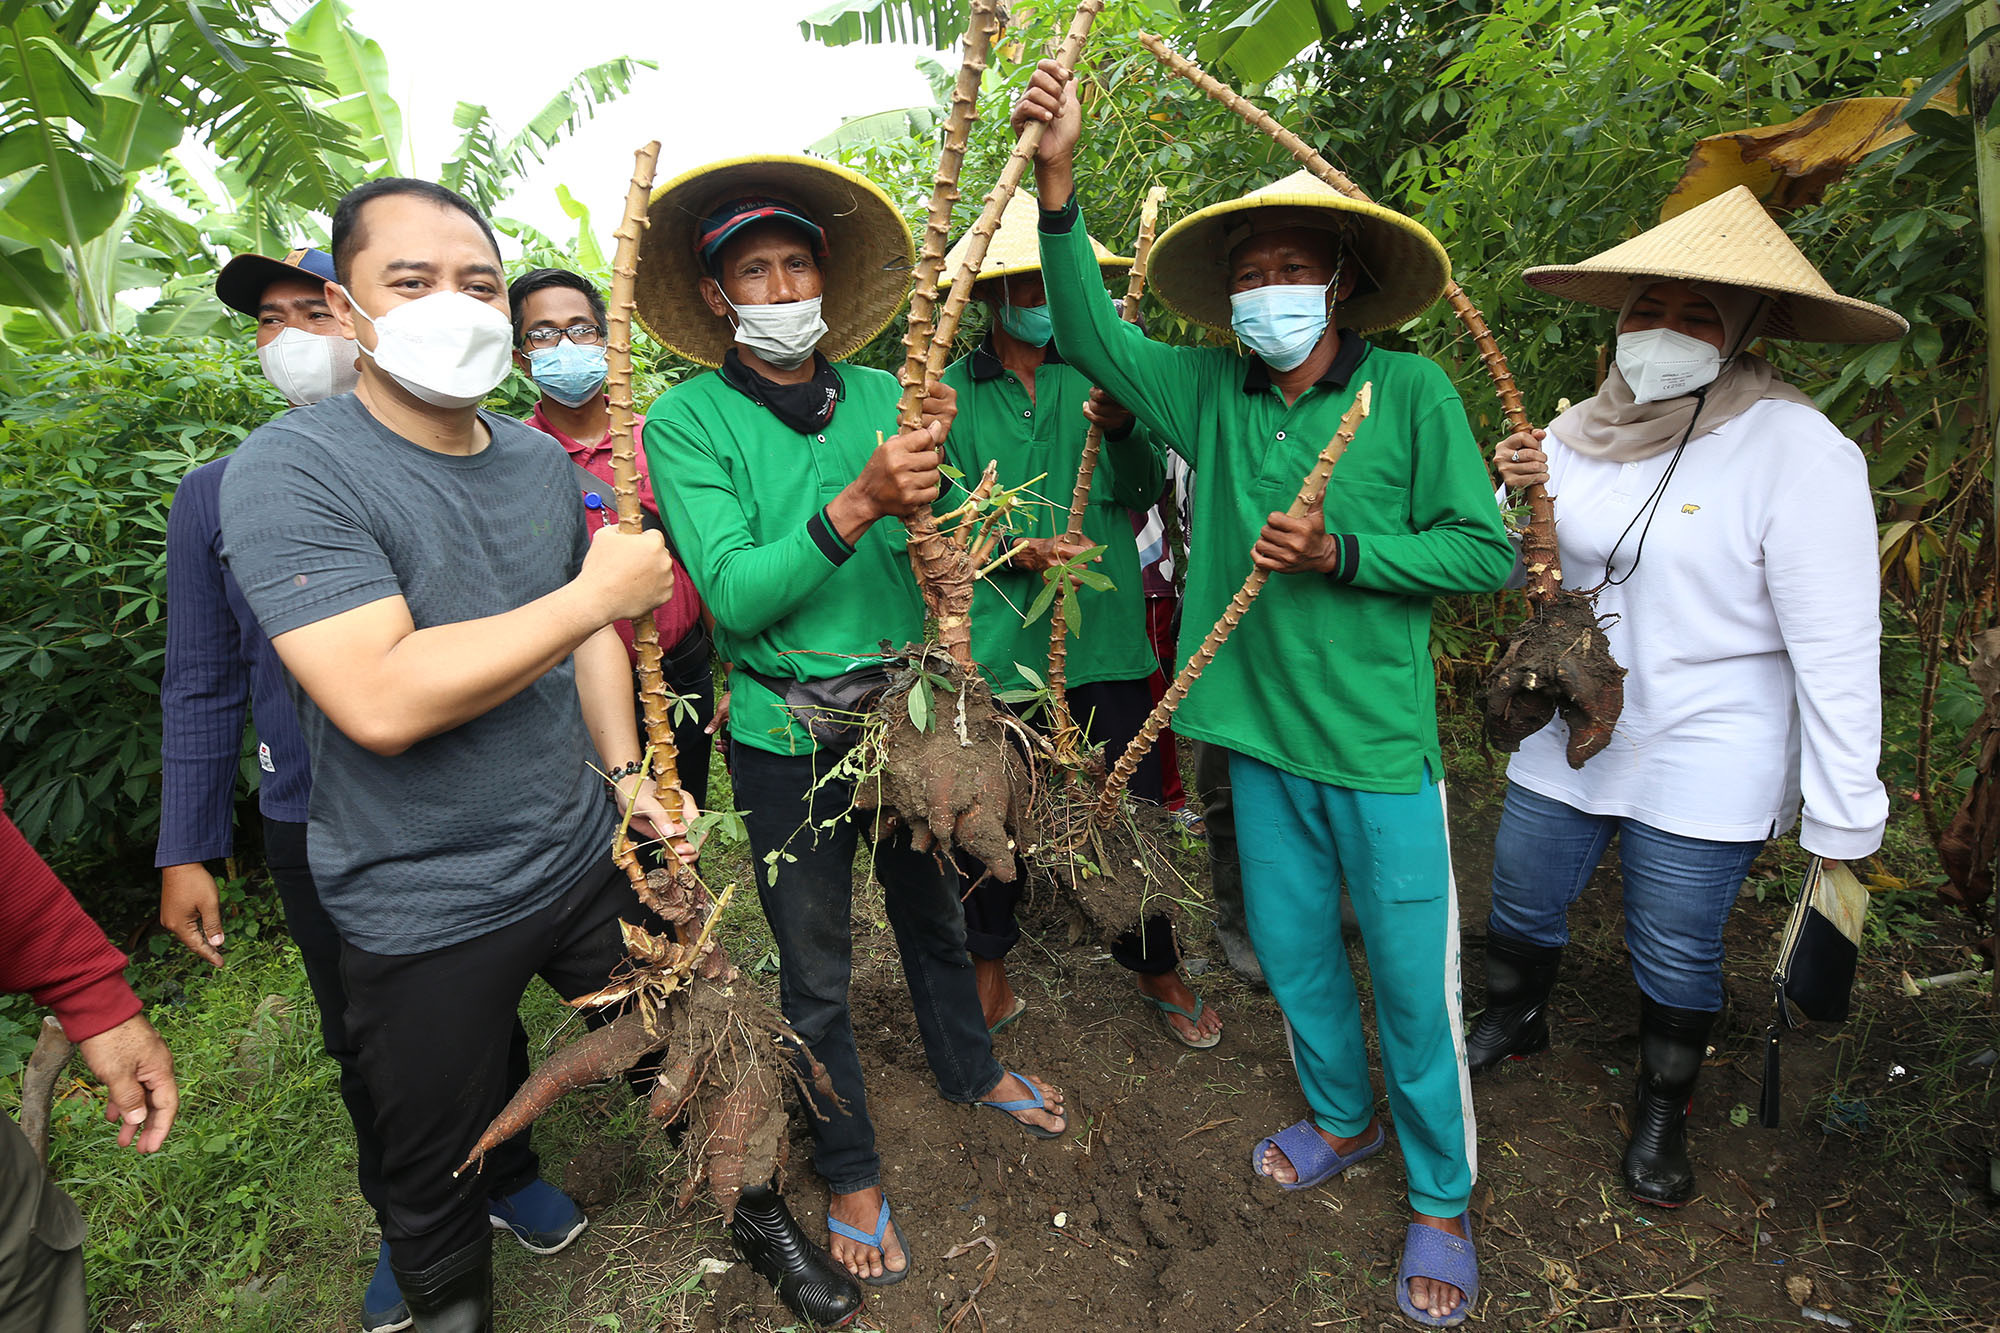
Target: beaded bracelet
pixel 635 769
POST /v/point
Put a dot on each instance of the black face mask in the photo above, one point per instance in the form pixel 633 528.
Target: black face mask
pixel 806 407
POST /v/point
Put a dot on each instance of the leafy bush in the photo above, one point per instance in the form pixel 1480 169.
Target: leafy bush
pixel 93 441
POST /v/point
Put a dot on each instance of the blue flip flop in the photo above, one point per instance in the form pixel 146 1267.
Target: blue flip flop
pixel 883 1225
pixel 1312 1156
pixel 1034 1101
pixel 1441 1257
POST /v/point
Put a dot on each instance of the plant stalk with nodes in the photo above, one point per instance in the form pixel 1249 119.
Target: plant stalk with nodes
pixel 660 748
pixel 1311 493
pixel 944 567
pixel 722 1041
pixel 1067 736
pixel 1560 660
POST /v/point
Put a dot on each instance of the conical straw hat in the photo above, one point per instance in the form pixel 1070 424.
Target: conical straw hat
pixel 1730 240
pixel 1404 268
pixel 1016 247
pixel 869 251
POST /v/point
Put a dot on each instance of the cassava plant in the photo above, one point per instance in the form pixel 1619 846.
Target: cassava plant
pixel 1560 660
pixel 683 994
pixel 1068 738
pixel 958 783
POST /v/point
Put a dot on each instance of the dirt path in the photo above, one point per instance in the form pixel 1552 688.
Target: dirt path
pixel 1146 1215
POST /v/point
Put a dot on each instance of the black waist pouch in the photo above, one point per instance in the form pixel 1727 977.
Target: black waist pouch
pixel 831 710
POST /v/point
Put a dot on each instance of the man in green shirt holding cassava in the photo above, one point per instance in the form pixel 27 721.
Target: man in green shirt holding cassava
pixel 1324 696
pixel 1020 405
pixel 786 482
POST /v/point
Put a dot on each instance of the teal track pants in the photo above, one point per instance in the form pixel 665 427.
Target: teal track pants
pixel 1299 839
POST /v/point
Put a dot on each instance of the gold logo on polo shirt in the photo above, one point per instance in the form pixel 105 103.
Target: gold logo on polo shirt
pixel 1689 509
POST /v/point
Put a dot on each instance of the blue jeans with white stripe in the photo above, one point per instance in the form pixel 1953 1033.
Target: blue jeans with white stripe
pixel 1299 839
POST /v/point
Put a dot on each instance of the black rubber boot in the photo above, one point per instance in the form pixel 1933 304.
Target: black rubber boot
pixel 1519 977
pixel 1672 1043
pixel 809 1282
pixel 453 1295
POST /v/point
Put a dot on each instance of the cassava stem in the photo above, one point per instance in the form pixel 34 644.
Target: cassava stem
pixel 1086 468
pixel 625 475
pixel 1311 492
pixel 982 22
pixel 983 231
pixel 1539 546
pixel 942 566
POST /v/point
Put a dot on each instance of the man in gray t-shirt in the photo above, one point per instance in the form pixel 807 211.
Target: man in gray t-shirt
pixel 425 574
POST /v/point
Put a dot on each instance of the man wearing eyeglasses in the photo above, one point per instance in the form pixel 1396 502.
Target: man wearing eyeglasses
pixel 559 344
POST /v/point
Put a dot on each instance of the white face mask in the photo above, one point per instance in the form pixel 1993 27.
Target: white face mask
pixel 1663 363
pixel 309 367
pixel 1281 321
pixel 448 349
pixel 781 335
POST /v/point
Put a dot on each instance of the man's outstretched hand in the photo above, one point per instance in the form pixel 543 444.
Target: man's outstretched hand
pixel 137 1070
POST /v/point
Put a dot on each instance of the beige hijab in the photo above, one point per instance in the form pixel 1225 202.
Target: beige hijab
pixel 1613 427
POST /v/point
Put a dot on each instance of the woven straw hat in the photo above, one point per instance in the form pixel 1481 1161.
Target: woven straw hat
pixel 1730 240
pixel 1399 257
pixel 1017 246
pixel 867 272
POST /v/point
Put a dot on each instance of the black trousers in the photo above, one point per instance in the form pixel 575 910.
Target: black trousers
pixel 437 1053
pixel 794 811
pixel 319 948
pixel 1110 713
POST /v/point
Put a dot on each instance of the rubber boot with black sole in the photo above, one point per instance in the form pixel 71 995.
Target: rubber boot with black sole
pixel 809 1282
pixel 453 1295
pixel 1519 977
pixel 1672 1044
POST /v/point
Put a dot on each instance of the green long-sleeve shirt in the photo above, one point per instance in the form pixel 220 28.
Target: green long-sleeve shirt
pixel 745 496
pixel 1043 437
pixel 1327 677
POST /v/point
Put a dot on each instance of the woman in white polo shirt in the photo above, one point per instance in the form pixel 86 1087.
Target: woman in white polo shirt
pixel 1728 531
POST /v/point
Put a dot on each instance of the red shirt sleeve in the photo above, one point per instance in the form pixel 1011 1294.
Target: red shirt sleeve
pixel 53 951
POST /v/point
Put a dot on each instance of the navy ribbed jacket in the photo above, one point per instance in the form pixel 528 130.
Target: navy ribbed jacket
pixel 217 660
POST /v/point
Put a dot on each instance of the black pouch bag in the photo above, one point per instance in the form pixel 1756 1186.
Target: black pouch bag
pixel 1814 978
pixel 831 710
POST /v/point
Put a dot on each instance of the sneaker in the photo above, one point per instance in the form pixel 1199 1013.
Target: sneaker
pixel 542 1217
pixel 382 1307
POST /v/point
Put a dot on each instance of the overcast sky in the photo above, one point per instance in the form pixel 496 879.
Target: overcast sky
pixel 734 77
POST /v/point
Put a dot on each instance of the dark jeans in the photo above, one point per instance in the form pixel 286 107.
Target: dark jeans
pixel 690 673
pixel 41 1244
pixel 1218 812
pixel 1110 713
pixel 808 900
pixel 319 948
pixel 438 1054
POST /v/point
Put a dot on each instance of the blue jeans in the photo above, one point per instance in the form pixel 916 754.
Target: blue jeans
pixel 810 911
pixel 1678 890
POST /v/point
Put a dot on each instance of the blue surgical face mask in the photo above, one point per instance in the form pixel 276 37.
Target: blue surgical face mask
pixel 569 374
pixel 1031 324
pixel 1281 322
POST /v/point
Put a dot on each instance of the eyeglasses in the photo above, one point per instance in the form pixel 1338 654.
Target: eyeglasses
pixel 582 335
